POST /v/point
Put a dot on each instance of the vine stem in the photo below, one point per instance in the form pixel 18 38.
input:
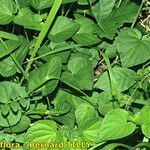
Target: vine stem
pixel 138 13
pixel 97 145
pixel 119 3
pixel 46 26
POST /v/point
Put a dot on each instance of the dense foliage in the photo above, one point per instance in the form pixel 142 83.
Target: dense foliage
pixel 75 71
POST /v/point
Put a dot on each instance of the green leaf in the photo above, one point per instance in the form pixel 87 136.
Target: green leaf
pixel 22 51
pixel 61 50
pixel 86 34
pixel 27 19
pixel 44 131
pixel 132 47
pixel 10 120
pixel 85 2
pixel 66 119
pixel 84 112
pixel 102 9
pixel 7 11
pixel 143 145
pixel 24 103
pixel 7 65
pixel 63 29
pixel 38 4
pixel 9 36
pixel 89 130
pixel 11 44
pixel 21 126
pixel 60 109
pixel 80 74
pixel 124 78
pixel 112 146
pixel 105 103
pixel 115 126
pixel 23 3
pixel 14 106
pixel 126 13
pixel 145 118
pixel 5 109
pixel 49 71
pixel 90 54
pixel 10 91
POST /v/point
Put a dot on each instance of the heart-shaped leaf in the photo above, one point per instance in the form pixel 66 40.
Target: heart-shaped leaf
pixel 124 78
pixel 49 71
pixel 102 9
pixel 44 131
pixel 115 126
pixel 80 74
pixel 63 29
pixel 132 47
pixel 84 112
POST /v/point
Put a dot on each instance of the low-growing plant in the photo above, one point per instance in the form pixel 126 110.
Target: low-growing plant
pixel 74 74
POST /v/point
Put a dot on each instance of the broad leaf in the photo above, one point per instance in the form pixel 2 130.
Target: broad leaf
pixel 49 71
pixel 134 49
pixel 86 34
pixel 38 4
pixel 102 9
pixel 63 29
pixel 8 36
pixel 7 11
pixel 115 126
pixel 10 120
pixel 22 125
pixel 80 74
pixel 126 13
pixel 5 109
pixel 44 131
pixel 89 130
pixel 84 112
pixel 124 78
pixel 90 54
pixel 61 50
pixel 11 46
pixel 11 91
pixel 27 19
pixel 60 109
pixel 105 103
pixel 112 146
pixel 7 65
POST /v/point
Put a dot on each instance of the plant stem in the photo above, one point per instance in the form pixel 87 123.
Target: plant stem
pixel 87 99
pixel 119 3
pixel 138 13
pixel 97 145
pixel 44 31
